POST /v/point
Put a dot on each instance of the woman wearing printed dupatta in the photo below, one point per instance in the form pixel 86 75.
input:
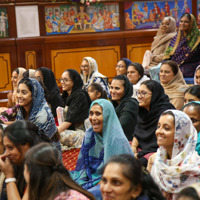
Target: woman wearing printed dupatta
pixel 90 74
pixel 33 107
pixel 176 163
pixel 104 139
pixel 184 48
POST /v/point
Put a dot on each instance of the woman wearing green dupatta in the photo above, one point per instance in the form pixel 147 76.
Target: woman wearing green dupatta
pixel 184 48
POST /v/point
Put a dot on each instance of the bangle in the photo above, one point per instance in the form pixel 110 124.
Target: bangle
pixel 8 180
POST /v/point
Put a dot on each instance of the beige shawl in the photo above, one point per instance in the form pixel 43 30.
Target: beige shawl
pixel 175 90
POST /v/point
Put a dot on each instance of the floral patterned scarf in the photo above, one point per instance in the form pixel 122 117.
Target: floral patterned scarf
pixel 183 169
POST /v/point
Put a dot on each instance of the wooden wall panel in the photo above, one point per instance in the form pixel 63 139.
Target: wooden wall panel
pixel 5 75
pixel 30 57
pixel 106 58
pixel 135 52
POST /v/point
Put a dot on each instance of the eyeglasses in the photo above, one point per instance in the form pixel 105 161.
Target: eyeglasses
pixel 120 66
pixel 84 66
pixel 142 93
pixel 64 80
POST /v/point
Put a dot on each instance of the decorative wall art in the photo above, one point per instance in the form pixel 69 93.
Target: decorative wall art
pixel 3 22
pixel 149 14
pixel 198 11
pixel 66 19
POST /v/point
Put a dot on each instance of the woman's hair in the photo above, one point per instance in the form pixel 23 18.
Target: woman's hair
pixel 186 15
pixel 169 112
pixel 20 133
pixel 27 82
pixel 189 192
pixel 16 70
pixel 149 84
pixel 193 90
pixel 120 78
pixel 98 88
pixel 133 171
pixel 48 176
pixel 194 105
pixel 173 65
pixel 139 68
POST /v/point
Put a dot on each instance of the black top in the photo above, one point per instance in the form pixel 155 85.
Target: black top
pixel 147 120
pixel 54 97
pixel 127 109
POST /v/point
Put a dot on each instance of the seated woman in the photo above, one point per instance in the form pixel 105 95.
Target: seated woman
pixel 104 139
pixel 192 94
pixel 184 48
pixel 12 101
pixel 96 91
pixel 77 104
pixel 55 183
pixel 122 65
pixel 173 83
pixel 192 109
pixel 197 76
pixel 90 74
pixel 135 182
pixel 152 102
pixel 48 78
pixel 33 107
pixel 18 138
pixel 126 107
pixel 166 32
pixel 176 163
pixel 188 193
pixel 135 74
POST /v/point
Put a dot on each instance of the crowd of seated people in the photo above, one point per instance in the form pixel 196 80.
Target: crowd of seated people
pixel 138 138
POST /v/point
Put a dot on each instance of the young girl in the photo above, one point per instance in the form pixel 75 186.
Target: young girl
pixel 96 91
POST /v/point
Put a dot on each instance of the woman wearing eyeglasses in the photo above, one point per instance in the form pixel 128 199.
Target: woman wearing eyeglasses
pixel 152 103
pixel 77 103
pixel 192 109
pixel 90 74
pixel 122 65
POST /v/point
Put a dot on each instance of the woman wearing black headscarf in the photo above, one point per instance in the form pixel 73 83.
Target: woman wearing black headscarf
pixel 48 78
pixel 77 103
pixel 126 107
pixel 152 103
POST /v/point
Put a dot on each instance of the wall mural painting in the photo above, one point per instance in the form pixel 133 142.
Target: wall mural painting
pixel 149 14
pixel 66 19
pixel 3 22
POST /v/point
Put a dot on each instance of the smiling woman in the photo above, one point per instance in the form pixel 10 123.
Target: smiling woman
pixel 104 139
pixel 176 163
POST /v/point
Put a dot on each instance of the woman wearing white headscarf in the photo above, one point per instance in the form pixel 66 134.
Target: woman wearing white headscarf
pixel 90 74
pixel 176 164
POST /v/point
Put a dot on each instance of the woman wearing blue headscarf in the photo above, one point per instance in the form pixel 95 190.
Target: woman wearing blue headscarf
pixel 192 109
pixel 33 107
pixel 104 139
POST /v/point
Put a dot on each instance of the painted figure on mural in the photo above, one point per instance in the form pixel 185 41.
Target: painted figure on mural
pixel 95 18
pixel 3 24
pixel 83 18
pixel 156 11
pixel 108 21
pixel 100 23
pixel 55 24
pixel 167 9
pixel 176 10
pixel 128 22
pixel 186 8
pixel 115 19
pixel 49 26
pixel 72 13
pixel 137 14
pixel 145 8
